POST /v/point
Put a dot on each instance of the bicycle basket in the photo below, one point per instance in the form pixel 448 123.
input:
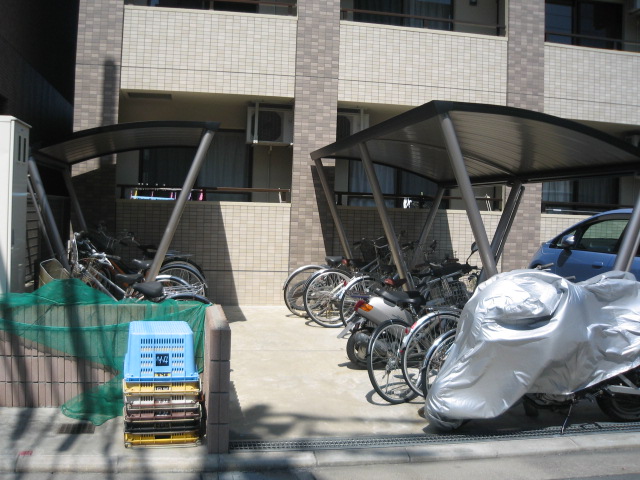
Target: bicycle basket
pixel 448 292
pixel 368 250
pixel 196 288
pixel 51 270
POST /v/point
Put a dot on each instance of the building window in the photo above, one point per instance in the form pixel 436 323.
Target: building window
pixel 588 195
pixel 226 165
pixel 403 189
pixel 434 14
pixel 584 23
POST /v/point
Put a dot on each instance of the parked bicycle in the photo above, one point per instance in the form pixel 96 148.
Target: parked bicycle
pixel 322 293
pixel 297 281
pixel 406 325
pixel 96 269
pixel 110 266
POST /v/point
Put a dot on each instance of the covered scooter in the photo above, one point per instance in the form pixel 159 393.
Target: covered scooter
pixel 533 332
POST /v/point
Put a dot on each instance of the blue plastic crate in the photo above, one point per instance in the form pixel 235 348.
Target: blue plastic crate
pixel 160 352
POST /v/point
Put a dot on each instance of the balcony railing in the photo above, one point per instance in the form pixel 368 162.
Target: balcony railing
pixel 282 7
pixel 590 41
pixel 154 192
pixel 419 21
pixel 416 201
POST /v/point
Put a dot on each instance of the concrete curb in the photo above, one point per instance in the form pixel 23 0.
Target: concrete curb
pixel 164 461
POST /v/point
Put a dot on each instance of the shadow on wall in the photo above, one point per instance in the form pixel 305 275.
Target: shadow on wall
pixel 326 221
pixel 364 222
pixel 201 236
pixel 95 180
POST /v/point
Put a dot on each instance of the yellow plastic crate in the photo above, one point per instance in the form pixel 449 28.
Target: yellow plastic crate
pixel 162 439
pixel 160 387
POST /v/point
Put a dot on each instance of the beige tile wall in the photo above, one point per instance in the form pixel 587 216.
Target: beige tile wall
pixel 450 229
pixel 205 51
pixel 244 247
pixel 407 66
pixel 592 84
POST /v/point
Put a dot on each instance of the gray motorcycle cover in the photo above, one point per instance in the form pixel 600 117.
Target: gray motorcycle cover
pixel 530 331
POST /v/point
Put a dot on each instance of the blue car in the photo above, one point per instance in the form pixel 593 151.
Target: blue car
pixel 588 248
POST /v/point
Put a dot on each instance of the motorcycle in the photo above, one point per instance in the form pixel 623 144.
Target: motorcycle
pixel 533 336
pixel 381 306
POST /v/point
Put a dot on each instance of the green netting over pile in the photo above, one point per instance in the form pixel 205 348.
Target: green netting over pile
pixel 69 318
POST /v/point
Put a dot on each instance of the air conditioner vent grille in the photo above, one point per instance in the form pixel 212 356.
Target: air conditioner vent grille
pixel 269 127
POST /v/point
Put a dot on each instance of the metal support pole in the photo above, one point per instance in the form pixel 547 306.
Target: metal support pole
pixel 181 201
pixel 54 233
pixel 328 193
pixel 630 241
pixel 506 219
pixel 506 222
pixel 74 199
pixel 426 229
pixel 394 246
pixel 473 212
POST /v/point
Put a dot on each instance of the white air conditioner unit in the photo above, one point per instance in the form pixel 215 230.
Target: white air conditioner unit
pixel 351 121
pixel 270 125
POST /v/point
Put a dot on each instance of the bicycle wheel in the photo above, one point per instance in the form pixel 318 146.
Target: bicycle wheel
pixel 435 358
pixel 187 272
pixel 321 296
pixel 357 289
pixel 294 288
pixel 418 341
pixel 384 362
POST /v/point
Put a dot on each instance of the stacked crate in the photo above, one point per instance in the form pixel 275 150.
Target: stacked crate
pixel 161 386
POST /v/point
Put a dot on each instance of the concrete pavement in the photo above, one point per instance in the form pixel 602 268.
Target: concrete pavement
pixel 296 402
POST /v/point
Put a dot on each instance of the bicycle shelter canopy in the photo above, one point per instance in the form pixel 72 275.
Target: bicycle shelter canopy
pixel 457 144
pixel 107 140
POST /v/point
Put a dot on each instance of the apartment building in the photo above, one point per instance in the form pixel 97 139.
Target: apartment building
pixel 287 77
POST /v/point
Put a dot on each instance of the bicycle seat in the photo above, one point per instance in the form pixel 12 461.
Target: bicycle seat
pixel 149 289
pixel 333 260
pixel 141 264
pixel 402 299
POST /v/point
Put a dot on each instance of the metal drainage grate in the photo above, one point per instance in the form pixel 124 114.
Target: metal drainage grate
pixel 408 440
pixel 77 428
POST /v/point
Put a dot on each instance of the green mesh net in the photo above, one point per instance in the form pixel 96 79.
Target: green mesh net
pixel 66 318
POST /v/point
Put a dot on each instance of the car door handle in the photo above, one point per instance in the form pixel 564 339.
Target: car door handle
pixel 598 265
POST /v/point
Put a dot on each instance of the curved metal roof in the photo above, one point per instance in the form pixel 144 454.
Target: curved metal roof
pixel 499 145
pixel 122 137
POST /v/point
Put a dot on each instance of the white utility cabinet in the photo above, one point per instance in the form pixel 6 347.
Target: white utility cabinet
pixel 14 152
